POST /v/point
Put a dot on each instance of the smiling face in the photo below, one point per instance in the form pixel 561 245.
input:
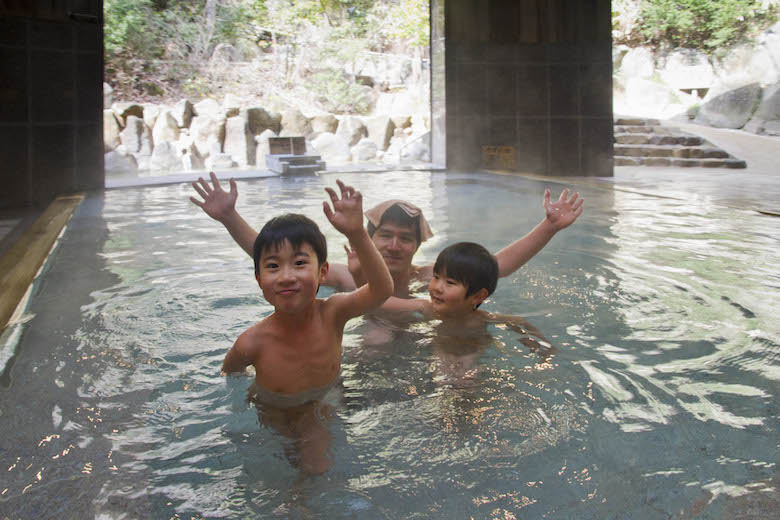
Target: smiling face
pixel 448 296
pixel 397 244
pixel 290 276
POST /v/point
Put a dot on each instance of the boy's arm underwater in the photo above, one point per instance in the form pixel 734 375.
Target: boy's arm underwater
pixel 347 217
pixel 221 206
pixel 558 215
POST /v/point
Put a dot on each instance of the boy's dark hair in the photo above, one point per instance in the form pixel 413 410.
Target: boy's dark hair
pixel 297 229
pixel 470 264
pixel 396 215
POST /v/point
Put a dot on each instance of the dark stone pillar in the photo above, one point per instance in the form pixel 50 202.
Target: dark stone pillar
pixel 51 81
pixel 533 74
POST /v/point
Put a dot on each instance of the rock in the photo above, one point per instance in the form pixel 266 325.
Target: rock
pixel 772 127
pixel 224 53
pixel 393 153
pixel 165 157
pixel 219 161
pixel 401 122
pixel 208 134
pixel 638 63
pixel 231 105
pixel 403 102
pixel 262 147
pixel 182 111
pixel 108 95
pixel 364 151
pixel 351 129
pixel 333 149
pixel 125 110
pixel 165 129
pixel 380 130
pixel 261 120
pixel 239 142
pixel 647 98
pixel 111 131
pixel 324 123
pixel 294 123
pixel 417 149
pixel 687 69
pixel 191 162
pixel 136 137
pixel 769 107
pixel 209 108
pixel 116 162
pixel 744 64
pixel 151 113
pixel 731 109
pixel 421 122
pixel 755 125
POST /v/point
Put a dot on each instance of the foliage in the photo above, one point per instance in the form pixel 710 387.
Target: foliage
pixel 336 93
pixel 702 24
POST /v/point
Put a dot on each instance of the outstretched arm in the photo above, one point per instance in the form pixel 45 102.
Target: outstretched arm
pixel 221 206
pixel 347 217
pixel 558 215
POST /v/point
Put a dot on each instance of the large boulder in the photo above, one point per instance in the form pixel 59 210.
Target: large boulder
pixel 324 123
pixel 165 157
pixel 136 137
pixel 209 108
pixel 294 123
pixel 332 148
pixel 364 151
pixel 351 129
pixel 260 120
pixel 231 105
pixel 263 147
pixel 639 62
pixel 687 69
pixel 116 162
pixel 224 53
pixel 730 110
pixel 417 149
pixel 165 128
pixel 183 111
pixel 380 130
pixel 239 142
pixel 767 113
pixel 111 130
pixel 745 64
pixel 151 113
pixel 219 161
pixel 208 134
pixel 125 110
pixel 108 95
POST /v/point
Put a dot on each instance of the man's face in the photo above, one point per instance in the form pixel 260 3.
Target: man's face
pixel 397 244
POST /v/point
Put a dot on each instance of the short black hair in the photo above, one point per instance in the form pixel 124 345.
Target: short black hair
pixel 470 264
pixel 295 228
pixel 395 214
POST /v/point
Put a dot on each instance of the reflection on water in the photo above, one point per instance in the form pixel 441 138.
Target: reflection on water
pixel 658 399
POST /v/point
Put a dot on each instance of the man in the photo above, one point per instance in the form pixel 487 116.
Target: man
pixel 397 229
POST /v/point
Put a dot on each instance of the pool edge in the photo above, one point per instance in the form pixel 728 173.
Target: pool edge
pixel 21 262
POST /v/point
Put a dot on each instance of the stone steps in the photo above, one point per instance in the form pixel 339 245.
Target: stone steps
pixel 644 142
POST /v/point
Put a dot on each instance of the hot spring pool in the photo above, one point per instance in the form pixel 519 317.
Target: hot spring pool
pixel 660 401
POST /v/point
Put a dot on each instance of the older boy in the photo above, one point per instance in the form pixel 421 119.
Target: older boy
pixel 296 351
pixel 397 229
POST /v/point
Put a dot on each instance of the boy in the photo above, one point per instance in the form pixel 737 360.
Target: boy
pixel 296 351
pixel 464 275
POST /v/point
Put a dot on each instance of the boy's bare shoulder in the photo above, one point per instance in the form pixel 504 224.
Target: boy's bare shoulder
pixel 250 341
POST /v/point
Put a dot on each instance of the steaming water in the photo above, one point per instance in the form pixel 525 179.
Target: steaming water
pixel 660 399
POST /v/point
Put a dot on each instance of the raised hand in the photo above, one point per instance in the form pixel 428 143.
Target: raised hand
pixel 353 265
pixel 563 212
pixel 217 203
pixel 347 213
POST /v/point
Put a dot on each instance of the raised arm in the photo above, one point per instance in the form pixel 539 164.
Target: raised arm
pixel 558 215
pixel 221 206
pixel 347 217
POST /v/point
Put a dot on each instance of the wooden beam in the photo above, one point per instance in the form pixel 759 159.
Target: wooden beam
pixel 20 264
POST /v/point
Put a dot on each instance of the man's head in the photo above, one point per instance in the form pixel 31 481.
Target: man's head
pixel 397 229
pixel 464 275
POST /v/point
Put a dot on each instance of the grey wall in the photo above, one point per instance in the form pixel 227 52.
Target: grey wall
pixel 534 74
pixel 51 119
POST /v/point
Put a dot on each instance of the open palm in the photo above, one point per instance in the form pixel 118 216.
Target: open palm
pixel 563 212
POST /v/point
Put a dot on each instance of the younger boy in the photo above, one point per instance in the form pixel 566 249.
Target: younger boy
pixel 296 351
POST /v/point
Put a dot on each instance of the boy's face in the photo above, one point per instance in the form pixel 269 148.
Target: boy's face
pixel 290 277
pixel 448 296
pixel 397 244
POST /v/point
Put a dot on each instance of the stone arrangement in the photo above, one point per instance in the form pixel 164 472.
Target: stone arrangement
pixel 644 142
pixel 215 136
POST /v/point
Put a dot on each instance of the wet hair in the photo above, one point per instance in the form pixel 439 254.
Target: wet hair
pixel 470 264
pixel 294 228
pixel 396 215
